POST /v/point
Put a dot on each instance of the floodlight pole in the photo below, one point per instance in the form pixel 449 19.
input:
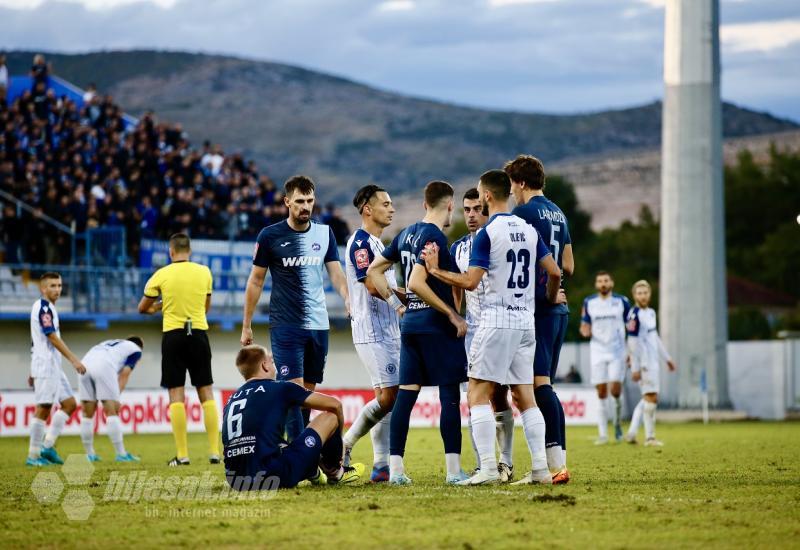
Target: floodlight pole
pixel 693 301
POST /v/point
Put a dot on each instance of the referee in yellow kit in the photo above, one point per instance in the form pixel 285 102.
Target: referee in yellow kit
pixel 185 290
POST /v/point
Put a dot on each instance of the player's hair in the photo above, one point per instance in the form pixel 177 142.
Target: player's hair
pixel 436 192
pixel 248 359
pixel 641 282
pixel 472 194
pixel 497 183
pixel 365 194
pixel 304 184
pixel 180 242
pixel 49 275
pixel 603 272
pixel 526 169
pixel 136 340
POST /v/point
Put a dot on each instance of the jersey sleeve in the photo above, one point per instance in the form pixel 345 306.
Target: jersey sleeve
pixel 210 282
pixel 632 325
pixel 295 394
pixel 361 257
pixel 132 359
pixel 626 307
pixel 46 320
pixel 332 254
pixel 542 250
pixel 153 286
pixel 261 254
pixel 392 252
pixel 585 317
pixel 481 250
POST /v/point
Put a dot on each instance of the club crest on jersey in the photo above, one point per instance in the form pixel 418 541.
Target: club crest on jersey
pixel 284 370
pixel 391 368
pixel 362 258
pixel 316 247
pixel 310 441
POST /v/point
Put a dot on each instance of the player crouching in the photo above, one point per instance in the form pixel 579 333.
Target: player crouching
pixel 108 366
pixel 253 422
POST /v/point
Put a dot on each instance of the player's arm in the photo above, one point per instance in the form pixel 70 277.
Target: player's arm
pixel 568 260
pixel 61 346
pixel 586 321
pixel 418 284
pixel 663 353
pixel 376 276
pixel 458 297
pixel 123 377
pixel 149 303
pixel 468 280
pixel 632 329
pixel 208 290
pixel 339 281
pixel 325 403
pixel 252 293
pixel 548 263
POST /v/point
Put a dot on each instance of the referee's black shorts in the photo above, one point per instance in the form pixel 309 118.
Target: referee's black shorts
pixel 181 352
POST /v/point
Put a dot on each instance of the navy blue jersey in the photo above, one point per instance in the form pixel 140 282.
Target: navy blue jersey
pixel 253 422
pixel 420 318
pixel 551 223
pixel 297 261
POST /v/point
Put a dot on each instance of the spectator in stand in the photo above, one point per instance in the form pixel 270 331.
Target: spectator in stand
pixel 337 224
pixel 90 93
pixel 40 71
pixel 4 81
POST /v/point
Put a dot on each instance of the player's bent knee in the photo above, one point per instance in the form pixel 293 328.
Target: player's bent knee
pixel 69 405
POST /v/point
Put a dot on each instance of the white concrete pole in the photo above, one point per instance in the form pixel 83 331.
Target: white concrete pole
pixel 693 301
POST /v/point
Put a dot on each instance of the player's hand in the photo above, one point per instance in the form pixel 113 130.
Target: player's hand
pixel 585 330
pixel 30 381
pixel 79 367
pixel 431 256
pixel 636 376
pixel 347 306
pixel 247 336
pixel 459 323
pixel 561 298
pixel 672 366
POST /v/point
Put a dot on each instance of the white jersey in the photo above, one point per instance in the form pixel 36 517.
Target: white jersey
pixel 461 251
pixel 647 350
pixel 371 318
pixel 607 318
pixel 508 249
pixel 112 355
pixel 45 358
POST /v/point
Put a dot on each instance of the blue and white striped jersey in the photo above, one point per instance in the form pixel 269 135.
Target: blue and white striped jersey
pixel 372 319
pixel 45 358
pixel 646 346
pixel 296 260
pixel 460 251
pixel 607 317
pixel 508 249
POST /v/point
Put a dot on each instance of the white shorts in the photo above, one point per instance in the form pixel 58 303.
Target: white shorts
pixel 99 384
pixel 650 380
pixel 382 360
pixel 467 344
pixel 606 369
pixel 502 355
pixel 48 390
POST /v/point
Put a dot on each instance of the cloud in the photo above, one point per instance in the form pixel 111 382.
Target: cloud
pixel 534 55
pixel 760 36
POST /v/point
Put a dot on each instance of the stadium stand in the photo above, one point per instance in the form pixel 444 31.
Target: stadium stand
pixel 76 157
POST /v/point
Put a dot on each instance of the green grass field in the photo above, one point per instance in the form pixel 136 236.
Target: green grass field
pixel 721 485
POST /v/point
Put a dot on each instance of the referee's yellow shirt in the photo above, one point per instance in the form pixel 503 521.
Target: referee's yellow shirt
pixel 183 287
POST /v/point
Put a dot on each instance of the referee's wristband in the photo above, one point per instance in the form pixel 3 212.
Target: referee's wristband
pixel 394 301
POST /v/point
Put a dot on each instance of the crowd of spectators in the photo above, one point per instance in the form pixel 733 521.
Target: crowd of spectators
pixel 86 167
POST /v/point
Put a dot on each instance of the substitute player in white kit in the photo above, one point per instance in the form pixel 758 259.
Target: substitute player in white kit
pixel 376 328
pixel 50 384
pixel 506 251
pixel 646 353
pixel 603 319
pixel 108 366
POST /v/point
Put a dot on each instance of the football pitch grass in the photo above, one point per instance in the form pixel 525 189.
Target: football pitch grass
pixel 722 485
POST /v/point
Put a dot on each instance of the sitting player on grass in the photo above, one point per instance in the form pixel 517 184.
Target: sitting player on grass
pixel 252 434
pixel 108 366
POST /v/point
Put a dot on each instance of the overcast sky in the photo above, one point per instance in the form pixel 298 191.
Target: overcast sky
pixel 533 55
